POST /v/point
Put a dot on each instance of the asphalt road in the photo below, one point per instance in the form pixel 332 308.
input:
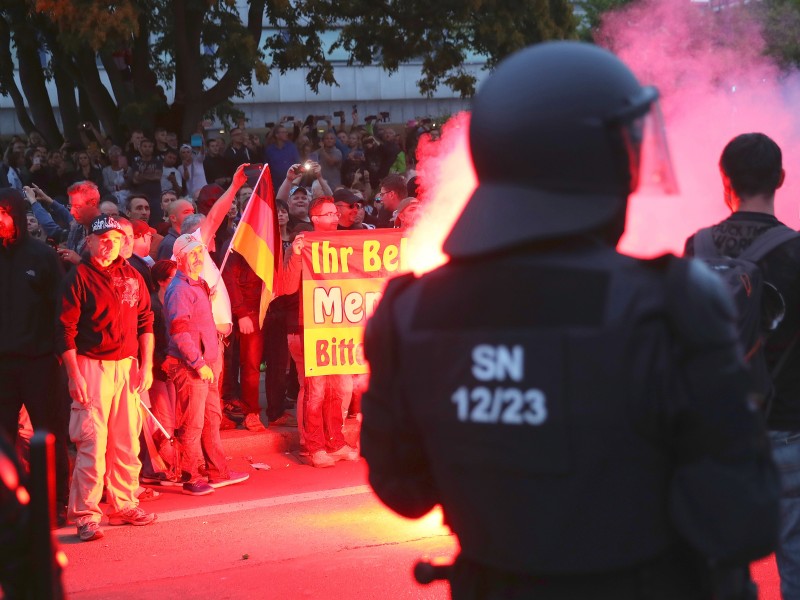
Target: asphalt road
pixel 289 532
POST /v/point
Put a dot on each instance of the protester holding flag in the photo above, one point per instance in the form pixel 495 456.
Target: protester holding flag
pixel 249 272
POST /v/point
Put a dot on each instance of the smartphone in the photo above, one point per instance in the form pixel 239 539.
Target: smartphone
pixel 196 141
pixel 37 160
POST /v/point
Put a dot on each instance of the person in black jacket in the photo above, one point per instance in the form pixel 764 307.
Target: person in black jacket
pixel 31 273
pixel 580 415
pixel 244 287
pixel 752 171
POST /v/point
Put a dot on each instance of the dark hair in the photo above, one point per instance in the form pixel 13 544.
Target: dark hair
pixel 281 204
pixel 753 163
pixel 161 270
pixel 395 183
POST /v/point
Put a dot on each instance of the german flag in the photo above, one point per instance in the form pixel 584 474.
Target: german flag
pixel 257 237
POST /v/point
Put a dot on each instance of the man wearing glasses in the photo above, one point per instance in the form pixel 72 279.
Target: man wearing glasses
pixel 347 205
pixel 320 400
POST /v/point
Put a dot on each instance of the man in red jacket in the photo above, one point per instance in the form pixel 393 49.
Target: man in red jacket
pixel 105 321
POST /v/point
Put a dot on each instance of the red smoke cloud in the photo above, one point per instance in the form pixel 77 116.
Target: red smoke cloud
pixel 715 84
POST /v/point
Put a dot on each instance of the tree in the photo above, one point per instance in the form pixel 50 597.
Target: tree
pixel 781 29
pixel 209 53
pixel 593 11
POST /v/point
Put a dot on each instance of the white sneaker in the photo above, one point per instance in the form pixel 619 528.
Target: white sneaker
pixel 320 458
pixel 344 453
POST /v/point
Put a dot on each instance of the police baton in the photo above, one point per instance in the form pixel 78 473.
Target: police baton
pixel 426 572
pixel 46 559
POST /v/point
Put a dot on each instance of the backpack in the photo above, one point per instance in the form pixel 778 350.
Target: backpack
pixel 759 304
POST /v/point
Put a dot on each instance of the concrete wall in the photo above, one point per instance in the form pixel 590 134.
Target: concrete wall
pixel 371 88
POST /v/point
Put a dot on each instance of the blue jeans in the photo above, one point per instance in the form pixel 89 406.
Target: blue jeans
pixel 322 413
pixel 786 453
pixel 197 418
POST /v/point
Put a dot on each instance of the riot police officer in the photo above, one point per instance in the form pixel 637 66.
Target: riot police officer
pixel 580 415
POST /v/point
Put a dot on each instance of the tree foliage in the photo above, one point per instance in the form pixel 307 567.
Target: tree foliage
pixel 593 11
pixel 781 28
pixel 209 51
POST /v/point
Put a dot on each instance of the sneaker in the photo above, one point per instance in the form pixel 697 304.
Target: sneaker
pixel 132 516
pixel 233 410
pixel 344 453
pixel 285 420
pixel 303 451
pixel 320 458
pixel 234 407
pixel 233 477
pixel 90 531
pixel 197 488
pixel 253 423
pixel 225 423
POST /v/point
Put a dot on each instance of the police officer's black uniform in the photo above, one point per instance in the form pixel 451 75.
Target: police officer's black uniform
pixel 579 414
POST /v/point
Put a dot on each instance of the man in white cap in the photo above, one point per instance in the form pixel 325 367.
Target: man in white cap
pixel 193 365
pixel 105 321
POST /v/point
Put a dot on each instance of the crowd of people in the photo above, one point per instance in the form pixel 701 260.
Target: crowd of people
pixel 136 343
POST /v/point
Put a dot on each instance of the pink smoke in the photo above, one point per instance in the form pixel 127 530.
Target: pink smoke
pixel 715 83
pixel 447 180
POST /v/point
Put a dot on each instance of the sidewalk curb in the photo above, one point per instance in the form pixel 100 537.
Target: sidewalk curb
pixel 239 443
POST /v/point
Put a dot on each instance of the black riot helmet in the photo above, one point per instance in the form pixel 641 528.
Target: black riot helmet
pixel 555 135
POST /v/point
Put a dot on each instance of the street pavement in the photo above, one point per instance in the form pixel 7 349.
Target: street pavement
pixel 292 531
pixel 289 532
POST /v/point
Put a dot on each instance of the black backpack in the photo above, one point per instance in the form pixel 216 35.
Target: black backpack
pixel 760 305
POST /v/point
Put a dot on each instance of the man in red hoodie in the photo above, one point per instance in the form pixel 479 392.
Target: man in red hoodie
pixel 105 321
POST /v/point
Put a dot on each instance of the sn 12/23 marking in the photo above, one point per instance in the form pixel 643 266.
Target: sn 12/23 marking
pixel 509 406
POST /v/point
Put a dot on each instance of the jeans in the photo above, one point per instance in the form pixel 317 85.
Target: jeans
pixel 322 416
pixel 786 453
pixel 276 355
pixel 295 344
pixel 251 346
pixel 197 420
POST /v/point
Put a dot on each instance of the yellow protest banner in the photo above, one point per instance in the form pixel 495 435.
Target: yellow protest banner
pixel 344 273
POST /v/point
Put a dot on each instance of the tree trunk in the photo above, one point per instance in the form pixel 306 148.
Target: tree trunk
pixel 228 83
pixel 101 101
pixel 188 77
pixel 68 107
pixel 123 91
pixel 7 79
pixel 31 76
pixel 144 80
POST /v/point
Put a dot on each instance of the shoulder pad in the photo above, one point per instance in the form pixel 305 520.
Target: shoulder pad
pixel 700 305
pixel 397 284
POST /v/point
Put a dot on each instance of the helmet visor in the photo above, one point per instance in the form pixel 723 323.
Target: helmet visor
pixel 650 161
